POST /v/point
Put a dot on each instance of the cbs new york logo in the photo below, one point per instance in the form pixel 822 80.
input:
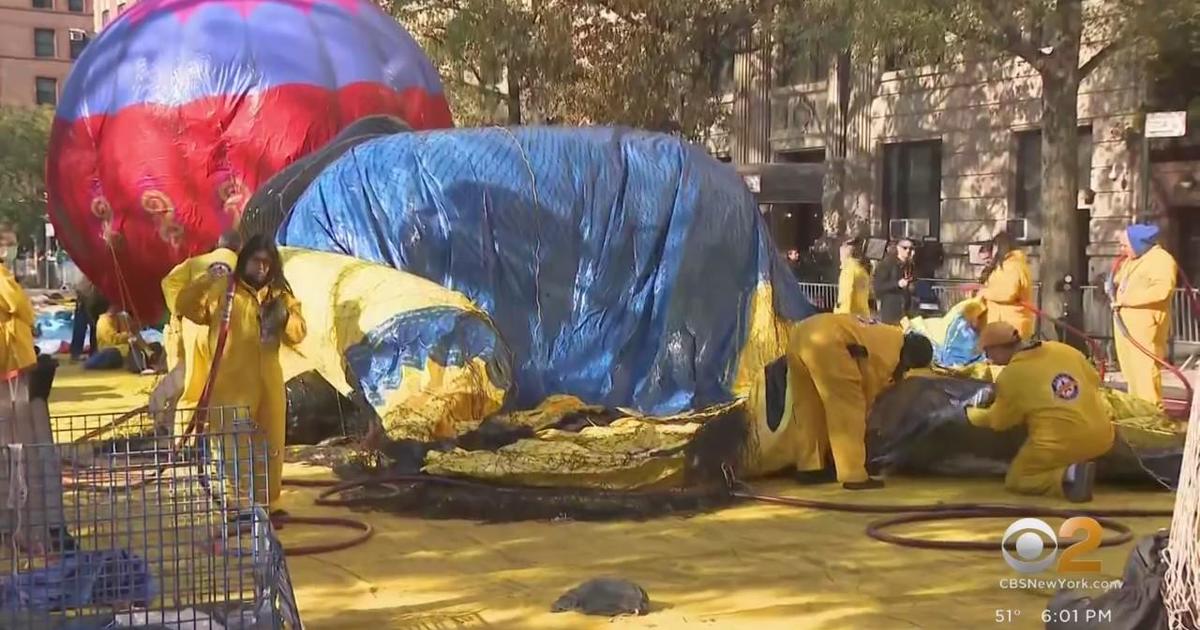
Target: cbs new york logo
pixel 1030 545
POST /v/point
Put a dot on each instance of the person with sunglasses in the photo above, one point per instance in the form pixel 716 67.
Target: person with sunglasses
pixel 895 283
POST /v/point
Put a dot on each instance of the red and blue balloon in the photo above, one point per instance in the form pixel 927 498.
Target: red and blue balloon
pixel 180 109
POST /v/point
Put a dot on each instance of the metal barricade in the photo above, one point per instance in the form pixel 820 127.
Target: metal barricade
pixel 108 522
pixel 822 295
pixel 1097 311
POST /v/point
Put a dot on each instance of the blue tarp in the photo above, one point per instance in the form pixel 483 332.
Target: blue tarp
pixel 618 265
pixel 961 346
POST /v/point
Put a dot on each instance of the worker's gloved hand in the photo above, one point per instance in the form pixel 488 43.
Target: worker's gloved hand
pixel 218 270
pixel 982 398
pixel 273 316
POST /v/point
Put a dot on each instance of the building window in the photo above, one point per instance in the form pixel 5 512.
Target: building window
pixel 75 6
pixel 79 41
pixel 1027 201
pixel 43 42
pixel 43 4
pixel 104 18
pixel 912 183
pixel 902 57
pixel 800 64
pixel 120 8
pixel 47 91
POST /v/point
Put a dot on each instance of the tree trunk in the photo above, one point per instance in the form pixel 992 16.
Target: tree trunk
pixel 513 97
pixel 1061 251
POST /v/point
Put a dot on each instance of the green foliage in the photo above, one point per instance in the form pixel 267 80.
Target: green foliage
pixel 24 137
pixel 647 63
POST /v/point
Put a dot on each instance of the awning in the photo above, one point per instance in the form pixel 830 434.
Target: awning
pixel 784 183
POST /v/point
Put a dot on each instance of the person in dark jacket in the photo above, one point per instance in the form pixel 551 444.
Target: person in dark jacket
pixel 895 283
pixel 89 305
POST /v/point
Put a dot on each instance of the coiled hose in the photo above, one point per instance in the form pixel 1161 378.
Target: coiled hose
pixel 902 513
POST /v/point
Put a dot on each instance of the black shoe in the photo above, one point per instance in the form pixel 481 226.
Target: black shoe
pixel 1080 490
pixel 815 477
pixel 869 484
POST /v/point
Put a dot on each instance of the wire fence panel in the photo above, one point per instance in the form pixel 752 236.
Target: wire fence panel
pixel 111 522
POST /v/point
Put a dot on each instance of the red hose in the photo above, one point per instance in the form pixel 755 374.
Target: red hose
pixel 1093 345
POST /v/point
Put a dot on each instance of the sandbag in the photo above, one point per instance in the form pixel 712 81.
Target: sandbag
pixel 1136 605
pixel 316 411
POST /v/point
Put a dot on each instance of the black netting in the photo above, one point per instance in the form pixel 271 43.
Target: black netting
pixel 717 449
pixel 316 411
pixel 272 202
pixel 920 427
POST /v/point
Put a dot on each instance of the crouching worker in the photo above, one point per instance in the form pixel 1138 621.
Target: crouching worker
pixel 262 314
pixel 118 346
pixel 1055 391
pixel 837 365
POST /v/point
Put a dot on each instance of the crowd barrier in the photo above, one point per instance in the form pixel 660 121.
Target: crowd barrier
pixel 1097 314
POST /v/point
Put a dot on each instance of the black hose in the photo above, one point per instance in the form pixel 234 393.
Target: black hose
pixel 918 513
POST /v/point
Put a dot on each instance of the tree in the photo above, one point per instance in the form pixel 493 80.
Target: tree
pixel 647 63
pixel 24 136
pixel 492 54
pixel 1055 37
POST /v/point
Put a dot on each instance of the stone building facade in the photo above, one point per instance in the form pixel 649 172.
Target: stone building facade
pixel 39 39
pixel 949 151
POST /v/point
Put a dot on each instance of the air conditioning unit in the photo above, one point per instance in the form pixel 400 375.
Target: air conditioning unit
pixel 77 35
pixel 908 228
pixel 1021 229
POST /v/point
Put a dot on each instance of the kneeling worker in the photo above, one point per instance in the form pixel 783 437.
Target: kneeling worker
pixel 1055 391
pixel 838 364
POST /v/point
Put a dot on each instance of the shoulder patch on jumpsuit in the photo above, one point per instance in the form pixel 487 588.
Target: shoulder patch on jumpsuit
pixel 1064 387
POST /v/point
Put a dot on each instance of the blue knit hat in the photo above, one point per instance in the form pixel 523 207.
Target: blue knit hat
pixel 1142 237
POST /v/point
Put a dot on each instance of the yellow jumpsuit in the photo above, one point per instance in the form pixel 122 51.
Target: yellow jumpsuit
pixel 111 332
pixel 249 377
pixel 1055 391
pixel 186 341
pixel 832 391
pixel 1145 286
pixel 854 289
pixel 1010 285
pixel 16 328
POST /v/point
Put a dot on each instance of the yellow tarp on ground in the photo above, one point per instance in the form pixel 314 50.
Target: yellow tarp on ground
pixel 752 566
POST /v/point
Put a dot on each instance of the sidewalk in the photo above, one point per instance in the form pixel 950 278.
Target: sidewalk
pixel 1173 388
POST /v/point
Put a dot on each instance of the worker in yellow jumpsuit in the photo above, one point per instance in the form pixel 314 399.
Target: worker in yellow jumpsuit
pixel 837 365
pixel 854 282
pixel 263 314
pixel 187 342
pixel 181 276
pixel 1008 286
pixel 17 356
pixel 1054 390
pixel 1141 299
pixel 113 334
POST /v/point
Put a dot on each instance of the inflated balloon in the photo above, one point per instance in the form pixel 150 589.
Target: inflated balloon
pixel 180 109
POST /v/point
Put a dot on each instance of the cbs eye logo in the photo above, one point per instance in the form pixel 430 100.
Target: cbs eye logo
pixel 1027 540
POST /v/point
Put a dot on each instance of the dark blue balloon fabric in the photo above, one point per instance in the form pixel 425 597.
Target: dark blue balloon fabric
pixel 618 265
